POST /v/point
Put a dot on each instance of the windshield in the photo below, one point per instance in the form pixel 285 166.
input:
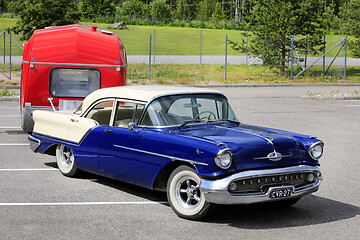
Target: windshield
pixel 191 108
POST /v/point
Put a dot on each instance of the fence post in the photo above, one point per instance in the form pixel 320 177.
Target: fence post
pixel 200 45
pixel 292 57
pixel 345 57
pixel 10 55
pixel 4 46
pixel 225 54
pixel 306 48
pixel 150 59
pixel 324 56
pixel 154 46
pixel 247 44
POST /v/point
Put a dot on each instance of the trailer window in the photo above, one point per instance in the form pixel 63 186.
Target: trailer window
pixel 73 83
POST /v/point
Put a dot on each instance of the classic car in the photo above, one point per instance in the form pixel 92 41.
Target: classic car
pixel 185 141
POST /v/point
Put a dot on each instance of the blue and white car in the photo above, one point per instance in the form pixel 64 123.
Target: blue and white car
pixel 185 141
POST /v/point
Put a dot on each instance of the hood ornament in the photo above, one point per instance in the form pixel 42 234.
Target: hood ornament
pixel 273 156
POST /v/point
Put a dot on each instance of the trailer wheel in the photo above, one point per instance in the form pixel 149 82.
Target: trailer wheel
pixel 66 161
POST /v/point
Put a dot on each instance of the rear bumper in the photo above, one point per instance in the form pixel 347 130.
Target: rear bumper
pixel 34 143
pixel 216 191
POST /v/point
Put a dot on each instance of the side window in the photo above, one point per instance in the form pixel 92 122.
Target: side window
pixel 73 82
pixel 101 112
pixel 127 112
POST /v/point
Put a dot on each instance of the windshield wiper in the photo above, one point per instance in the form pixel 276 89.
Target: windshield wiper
pixel 190 121
pixel 224 120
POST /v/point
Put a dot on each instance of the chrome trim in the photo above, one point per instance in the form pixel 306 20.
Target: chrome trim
pixel 34 143
pixel 216 191
pixel 162 155
pixel 313 145
pixel 222 151
pixel 75 64
pixel 269 156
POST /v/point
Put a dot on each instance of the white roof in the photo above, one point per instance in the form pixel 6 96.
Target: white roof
pixel 141 93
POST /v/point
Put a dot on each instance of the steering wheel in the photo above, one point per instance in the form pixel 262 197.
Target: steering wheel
pixel 210 114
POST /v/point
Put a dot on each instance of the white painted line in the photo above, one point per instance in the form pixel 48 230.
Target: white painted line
pixel 9 108
pixel 9 127
pixel 14 144
pixel 27 169
pixel 82 203
pixel 5 116
pixel 353 105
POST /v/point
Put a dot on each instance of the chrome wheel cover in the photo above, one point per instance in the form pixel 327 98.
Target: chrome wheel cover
pixel 187 192
pixel 66 156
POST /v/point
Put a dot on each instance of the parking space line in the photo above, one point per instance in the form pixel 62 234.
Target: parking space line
pixel 353 105
pixel 9 127
pixel 14 144
pixel 83 203
pixel 27 169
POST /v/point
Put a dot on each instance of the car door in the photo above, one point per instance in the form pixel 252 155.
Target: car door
pixel 120 147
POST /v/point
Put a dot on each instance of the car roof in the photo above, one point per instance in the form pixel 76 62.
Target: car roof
pixel 142 93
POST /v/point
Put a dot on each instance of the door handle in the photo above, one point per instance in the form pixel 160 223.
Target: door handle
pixel 74 120
pixel 108 131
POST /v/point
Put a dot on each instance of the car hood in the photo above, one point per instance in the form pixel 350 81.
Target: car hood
pixel 251 145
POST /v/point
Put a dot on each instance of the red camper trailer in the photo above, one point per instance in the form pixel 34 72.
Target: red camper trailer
pixel 62 65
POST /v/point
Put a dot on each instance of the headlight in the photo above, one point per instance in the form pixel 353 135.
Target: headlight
pixel 224 158
pixel 316 150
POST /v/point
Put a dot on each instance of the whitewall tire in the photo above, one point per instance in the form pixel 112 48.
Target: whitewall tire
pixel 184 195
pixel 66 161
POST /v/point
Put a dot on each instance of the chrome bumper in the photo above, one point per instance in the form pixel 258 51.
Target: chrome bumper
pixel 34 143
pixel 216 191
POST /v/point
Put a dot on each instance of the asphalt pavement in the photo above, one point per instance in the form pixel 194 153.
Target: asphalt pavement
pixel 37 202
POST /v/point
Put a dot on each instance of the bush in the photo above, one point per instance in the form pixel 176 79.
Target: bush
pixel 135 8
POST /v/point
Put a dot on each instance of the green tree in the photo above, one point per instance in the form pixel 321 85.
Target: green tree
pixel 272 24
pixel 206 10
pixel 36 14
pixel 187 9
pixel 350 12
pixel 3 6
pixel 94 8
pixel 218 14
pixel 160 10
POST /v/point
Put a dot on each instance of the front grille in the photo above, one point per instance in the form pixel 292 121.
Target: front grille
pixel 263 183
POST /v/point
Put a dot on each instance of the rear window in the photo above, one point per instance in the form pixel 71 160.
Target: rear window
pixel 73 82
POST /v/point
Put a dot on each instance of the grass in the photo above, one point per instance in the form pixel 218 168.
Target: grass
pixel 236 74
pixel 169 40
pixel 172 74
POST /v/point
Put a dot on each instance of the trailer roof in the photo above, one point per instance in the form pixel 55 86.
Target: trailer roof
pixel 75 44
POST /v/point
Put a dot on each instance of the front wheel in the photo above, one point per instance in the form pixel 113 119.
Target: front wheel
pixel 184 194
pixel 66 161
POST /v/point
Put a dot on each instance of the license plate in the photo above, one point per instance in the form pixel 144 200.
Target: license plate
pixel 280 193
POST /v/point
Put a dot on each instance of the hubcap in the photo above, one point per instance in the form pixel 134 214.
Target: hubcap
pixel 188 192
pixel 66 156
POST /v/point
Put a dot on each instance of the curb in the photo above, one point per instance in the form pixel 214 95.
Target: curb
pixel 249 85
pixel 13 98
pixel 332 98
pixel 10 86
pixel 279 85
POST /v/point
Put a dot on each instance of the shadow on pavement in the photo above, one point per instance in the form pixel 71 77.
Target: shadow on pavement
pixel 310 210
pixel 145 193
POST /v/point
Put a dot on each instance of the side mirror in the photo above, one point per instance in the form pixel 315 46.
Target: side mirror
pixel 132 127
